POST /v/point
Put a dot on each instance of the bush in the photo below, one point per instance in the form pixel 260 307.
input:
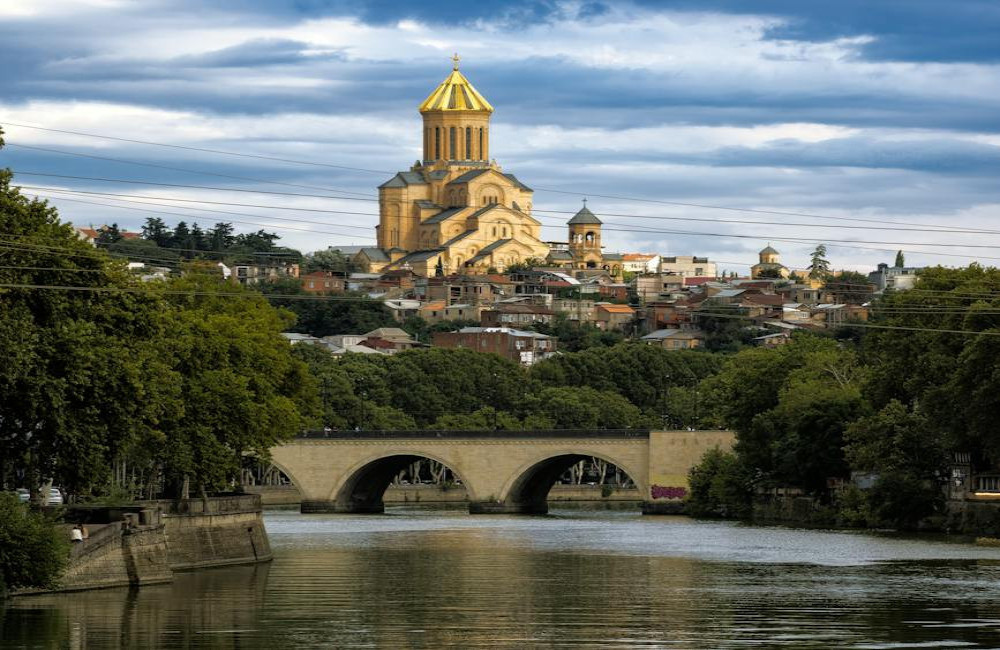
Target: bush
pixel 33 550
pixel 721 486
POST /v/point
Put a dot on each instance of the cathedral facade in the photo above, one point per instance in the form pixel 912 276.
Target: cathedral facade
pixel 456 210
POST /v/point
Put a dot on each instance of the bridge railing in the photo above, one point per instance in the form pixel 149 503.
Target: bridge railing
pixel 424 434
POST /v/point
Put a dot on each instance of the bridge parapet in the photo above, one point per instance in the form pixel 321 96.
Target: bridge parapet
pixel 471 434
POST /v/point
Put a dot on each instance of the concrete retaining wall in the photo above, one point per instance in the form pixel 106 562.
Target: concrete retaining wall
pixel 161 537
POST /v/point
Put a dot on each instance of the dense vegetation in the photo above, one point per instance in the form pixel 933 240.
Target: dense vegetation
pixel 893 404
pixel 118 384
pixel 33 550
pixel 629 385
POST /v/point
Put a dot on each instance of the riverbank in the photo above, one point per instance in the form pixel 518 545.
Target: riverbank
pixel 978 518
pixel 149 541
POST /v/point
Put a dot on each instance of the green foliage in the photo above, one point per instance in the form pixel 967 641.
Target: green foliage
pixel 355 314
pixel 789 407
pixel 640 373
pixel 900 260
pixel 850 287
pixel 819 266
pixel 729 331
pixel 33 549
pixel 720 486
pixel 173 385
pixel 330 259
pixel 574 336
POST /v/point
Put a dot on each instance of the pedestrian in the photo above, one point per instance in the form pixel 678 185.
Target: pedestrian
pixel 76 535
pixel 83 529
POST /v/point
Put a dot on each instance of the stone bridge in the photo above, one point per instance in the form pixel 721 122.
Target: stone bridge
pixel 502 471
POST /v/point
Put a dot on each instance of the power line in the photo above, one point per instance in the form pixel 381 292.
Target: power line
pixel 199 149
pixel 200 172
pixel 193 187
pixel 411 217
pixel 542 189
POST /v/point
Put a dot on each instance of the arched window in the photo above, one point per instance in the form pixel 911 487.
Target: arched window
pixel 481 155
pixel 504 235
pixel 437 143
pixel 590 238
pixel 468 143
pixel 451 144
pixel 494 231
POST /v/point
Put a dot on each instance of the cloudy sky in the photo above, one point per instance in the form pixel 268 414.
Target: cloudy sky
pixel 876 122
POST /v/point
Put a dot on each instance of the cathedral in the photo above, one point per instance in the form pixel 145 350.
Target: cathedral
pixel 457 211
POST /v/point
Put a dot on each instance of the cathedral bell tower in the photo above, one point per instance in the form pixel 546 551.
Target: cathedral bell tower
pixel 584 234
pixel 456 122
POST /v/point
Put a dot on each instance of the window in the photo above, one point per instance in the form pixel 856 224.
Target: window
pixel 468 143
pixel 437 143
pixel 481 155
pixel 451 144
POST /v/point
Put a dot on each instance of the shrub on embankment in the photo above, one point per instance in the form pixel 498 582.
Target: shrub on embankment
pixel 33 549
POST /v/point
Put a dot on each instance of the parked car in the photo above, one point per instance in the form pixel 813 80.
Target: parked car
pixel 55 497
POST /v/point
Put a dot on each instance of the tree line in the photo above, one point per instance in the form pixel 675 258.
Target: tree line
pixel 891 405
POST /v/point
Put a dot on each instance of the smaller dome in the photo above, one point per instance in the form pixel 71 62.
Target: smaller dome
pixel 769 251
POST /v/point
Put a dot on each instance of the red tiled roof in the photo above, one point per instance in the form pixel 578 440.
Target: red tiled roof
pixel 697 281
pixel 617 309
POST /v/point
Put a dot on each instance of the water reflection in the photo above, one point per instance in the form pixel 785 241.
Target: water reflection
pixel 603 580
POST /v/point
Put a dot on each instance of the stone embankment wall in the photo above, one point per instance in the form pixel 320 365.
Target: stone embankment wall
pixel 146 542
pixel 218 531
pixel 116 555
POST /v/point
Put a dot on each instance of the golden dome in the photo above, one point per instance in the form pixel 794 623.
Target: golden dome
pixel 455 94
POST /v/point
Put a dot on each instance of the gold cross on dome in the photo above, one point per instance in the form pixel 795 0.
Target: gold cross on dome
pixel 455 59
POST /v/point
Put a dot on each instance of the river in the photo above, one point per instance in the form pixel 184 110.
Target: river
pixel 433 579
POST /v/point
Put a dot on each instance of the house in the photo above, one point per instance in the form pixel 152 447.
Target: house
pixel 640 263
pixel 675 339
pixel 516 314
pixel 772 340
pixel 323 282
pixel 610 316
pixel 521 346
pixel 439 311
pixel 295 338
pixel 894 277
pixel 265 271
pixel 577 310
pixel 402 309
pixel 688 266
pixel 654 285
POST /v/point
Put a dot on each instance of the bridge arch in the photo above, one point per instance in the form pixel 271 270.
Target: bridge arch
pixel 361 488
pixel 526 490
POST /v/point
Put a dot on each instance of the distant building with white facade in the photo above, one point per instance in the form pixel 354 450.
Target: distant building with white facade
pixel 688 266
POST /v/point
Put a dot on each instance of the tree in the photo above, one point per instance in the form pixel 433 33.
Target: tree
pixel 720 486
pixel 109 235
pixel 330 259
pixel 79 378
pixel 819 267
pixel 769 274
pixel 900 260
pixel 850 287
pixel 220 237
pixel 908 458
pixel 156 231
pixel 33 549
pixel 354 313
